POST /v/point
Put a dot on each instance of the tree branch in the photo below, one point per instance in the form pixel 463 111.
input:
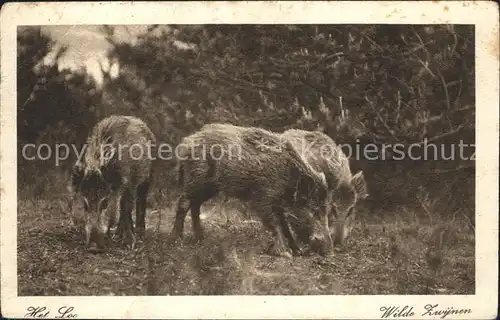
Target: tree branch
pixel 445 87
pixel 379 116
pixel 441 136
pixel 459 168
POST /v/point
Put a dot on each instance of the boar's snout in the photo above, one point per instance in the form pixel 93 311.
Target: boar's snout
pixel 320 245
pixel 341 232
pixel 95 240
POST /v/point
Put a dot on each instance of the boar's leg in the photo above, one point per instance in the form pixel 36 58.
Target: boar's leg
pixel 278 248
pixel 193 203
pixel 140 209
pixel 120 229
pixel 195 219
pixel 183 205
pixel 285 226
pixel 114 211
pixel 126 207
pixel 199 198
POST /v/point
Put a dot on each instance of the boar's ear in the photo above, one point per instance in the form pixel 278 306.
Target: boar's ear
pixel 359 183
pixel 314 185
pixel 322 177
pixel 76 177
pixel 103 176
pixel 303 189
pixel 71 187
pixel 322 186
pixel 111 174
pixel 107 152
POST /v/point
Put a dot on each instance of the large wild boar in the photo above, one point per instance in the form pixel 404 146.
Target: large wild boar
pixel 325 156
pixel 113 175
pixel 252 165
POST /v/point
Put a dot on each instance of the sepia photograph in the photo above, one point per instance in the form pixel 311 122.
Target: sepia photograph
pixel 234 165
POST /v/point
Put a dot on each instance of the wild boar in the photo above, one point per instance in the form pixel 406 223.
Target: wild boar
pixel 113 174
pixel 345 190
pixel 252 165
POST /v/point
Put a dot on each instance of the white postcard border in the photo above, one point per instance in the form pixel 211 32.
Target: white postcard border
pixel 484 15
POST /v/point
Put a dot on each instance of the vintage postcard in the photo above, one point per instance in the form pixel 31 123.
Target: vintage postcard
pixel 249 160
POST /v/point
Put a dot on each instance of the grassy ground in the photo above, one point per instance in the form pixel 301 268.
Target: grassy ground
pixel 383 256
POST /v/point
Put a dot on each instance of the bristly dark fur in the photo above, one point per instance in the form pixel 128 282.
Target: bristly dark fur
pixel 266 171
pixel 321 152
pixel 104 172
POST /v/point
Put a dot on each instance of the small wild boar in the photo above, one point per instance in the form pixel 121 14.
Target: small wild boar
pixel 325 156
pixel 252 165
pixel 113 174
